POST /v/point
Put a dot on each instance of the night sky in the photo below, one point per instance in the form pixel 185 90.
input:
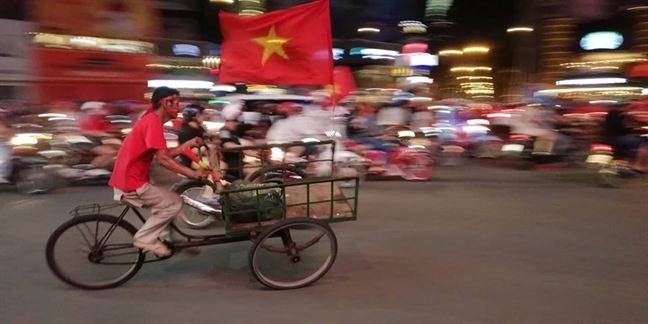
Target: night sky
pixel 475 20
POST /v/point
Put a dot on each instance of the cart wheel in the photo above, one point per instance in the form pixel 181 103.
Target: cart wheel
pixel 76 254
pixel 293 253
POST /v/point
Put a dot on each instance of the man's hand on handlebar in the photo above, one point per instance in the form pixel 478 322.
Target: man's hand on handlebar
pixel 194 142
pixel 200 174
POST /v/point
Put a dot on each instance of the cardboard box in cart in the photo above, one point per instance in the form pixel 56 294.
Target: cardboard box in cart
pixel 319 195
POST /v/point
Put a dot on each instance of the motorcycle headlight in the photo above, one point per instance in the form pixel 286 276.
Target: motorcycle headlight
pixel 276 154
pixel 23 140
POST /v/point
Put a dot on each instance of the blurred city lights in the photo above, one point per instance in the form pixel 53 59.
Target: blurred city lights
pixel 368 30
pixel 594 102
pixel 470 69
pixel 450 52
pixel 555 91
pixel 476 49
pixel 181 84
pixel 475 78
pixel 419 79
pixel 519 30
pixel 592 81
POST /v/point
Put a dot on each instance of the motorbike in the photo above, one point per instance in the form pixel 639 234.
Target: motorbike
pixel 410 161
pixel 528 152
pixel 70 156
pixel 25 167
pixel 612 169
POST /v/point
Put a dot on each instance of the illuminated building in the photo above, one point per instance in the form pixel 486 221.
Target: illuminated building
pixel 251 7
pixel 467 73
pixel 640 15
pixel 436 12
pixel 185 64
pixel 98 54
pixel 15 60
pixel 180 19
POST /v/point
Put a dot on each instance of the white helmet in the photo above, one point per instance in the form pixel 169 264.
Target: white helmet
pixel 232 111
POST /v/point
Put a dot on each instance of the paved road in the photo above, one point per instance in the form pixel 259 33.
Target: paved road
pixel 476 245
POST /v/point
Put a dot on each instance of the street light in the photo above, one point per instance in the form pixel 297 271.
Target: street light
pixel 519 30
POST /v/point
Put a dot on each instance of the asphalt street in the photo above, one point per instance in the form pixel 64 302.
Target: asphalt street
pixel 475 245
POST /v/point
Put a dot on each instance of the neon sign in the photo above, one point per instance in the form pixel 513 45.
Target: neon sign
pixel 186 49
pixel 604 40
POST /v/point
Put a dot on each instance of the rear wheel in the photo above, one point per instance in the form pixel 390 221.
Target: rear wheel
pixel 94 252
pixel 293 253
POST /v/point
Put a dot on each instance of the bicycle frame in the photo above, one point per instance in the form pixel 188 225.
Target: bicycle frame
pixel 192 240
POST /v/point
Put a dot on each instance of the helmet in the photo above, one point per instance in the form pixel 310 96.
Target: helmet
pixel 232 111
pixel 288 108
pixel 190 111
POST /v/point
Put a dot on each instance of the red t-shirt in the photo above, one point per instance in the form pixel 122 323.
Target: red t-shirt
pixel 136 154
pixel 94 124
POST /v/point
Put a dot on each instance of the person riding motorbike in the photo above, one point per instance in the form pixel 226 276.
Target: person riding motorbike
pixel 192 126
pixel 288 130
pixel 130 178
pixel 232 165
pixel 538 122
pixel 619 135
pixel 97 129
pixel 363 130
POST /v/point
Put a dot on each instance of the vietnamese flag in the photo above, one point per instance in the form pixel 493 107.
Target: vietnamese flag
pixel 290 47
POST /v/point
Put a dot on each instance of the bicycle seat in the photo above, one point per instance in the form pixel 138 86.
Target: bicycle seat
pixel 127 203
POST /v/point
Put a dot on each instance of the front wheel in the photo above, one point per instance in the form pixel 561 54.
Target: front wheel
pixel 293 253
pixel 417 168
pixel 34 179
pixel 94 252
pixel 190 216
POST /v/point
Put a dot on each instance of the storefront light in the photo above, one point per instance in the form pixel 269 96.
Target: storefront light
pixel 474 78
pixel 418 79
pixel 611 89
pixel 519 30
pixel 470 69
pixel 223 87
pixel 181 84
pixel 476 49
pixel 368 30
pixel 592 81
pixel 450 52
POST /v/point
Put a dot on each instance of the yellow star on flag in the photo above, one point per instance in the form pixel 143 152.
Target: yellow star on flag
pixel 272 44
pixel 333 88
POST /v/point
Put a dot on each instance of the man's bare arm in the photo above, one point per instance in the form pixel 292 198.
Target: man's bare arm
pixel 166 160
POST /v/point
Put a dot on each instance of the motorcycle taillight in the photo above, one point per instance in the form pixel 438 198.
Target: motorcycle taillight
pixel 601 147
pixel 519 137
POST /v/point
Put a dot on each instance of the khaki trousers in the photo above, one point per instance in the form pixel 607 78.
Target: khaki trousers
pixel 164 205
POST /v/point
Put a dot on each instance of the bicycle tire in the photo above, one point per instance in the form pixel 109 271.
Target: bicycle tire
pixel 283 225
pixel 59 273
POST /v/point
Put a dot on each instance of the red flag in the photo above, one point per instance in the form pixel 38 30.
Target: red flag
pixel 291 46
pixel 343 82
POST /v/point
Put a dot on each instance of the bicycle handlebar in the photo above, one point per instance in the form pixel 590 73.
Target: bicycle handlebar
pixel 192 156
